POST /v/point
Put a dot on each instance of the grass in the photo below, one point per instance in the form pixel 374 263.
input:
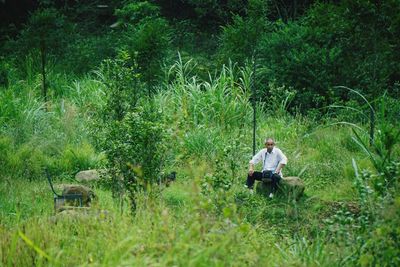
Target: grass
pixel 184 224
pixel 181 226
pixel 176 229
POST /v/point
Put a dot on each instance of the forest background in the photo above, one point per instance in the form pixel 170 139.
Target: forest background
pixel 144 88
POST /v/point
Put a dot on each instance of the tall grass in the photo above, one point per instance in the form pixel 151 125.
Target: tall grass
pixel 189 223
pixel 34 138
pixel 222 101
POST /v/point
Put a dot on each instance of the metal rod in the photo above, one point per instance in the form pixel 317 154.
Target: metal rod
pixel 253 85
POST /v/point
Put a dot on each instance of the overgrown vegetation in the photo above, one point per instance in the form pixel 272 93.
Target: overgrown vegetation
pixel 137 89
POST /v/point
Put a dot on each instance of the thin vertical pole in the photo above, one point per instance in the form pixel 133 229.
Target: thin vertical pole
pixel 253 85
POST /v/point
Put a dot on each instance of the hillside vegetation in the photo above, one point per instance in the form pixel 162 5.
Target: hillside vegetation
pixel 162 91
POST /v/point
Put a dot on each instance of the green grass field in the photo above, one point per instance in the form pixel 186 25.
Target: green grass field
pixel 340 221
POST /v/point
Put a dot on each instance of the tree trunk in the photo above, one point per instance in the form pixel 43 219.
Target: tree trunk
pixel 43 59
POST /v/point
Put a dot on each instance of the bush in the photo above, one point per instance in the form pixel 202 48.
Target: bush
pixel 135 148
pixel 133 135
pixel 293 59
pixel 133 13
pixel 254 25
pixel 123 90
pixel 77 158
pixel 333 45
pixel 381 247
pixel 149 43
pixel 28 162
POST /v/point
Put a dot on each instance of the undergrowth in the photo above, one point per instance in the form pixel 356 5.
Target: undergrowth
pixel 206 217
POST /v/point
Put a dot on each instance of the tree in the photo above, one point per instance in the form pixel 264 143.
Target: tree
pixel 147 38
pixel 132 135
pixel 254 25
pixel 45 32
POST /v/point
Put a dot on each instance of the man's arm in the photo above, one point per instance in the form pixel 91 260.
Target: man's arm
pixel 280 167
pixel 257 157
pixel 282 162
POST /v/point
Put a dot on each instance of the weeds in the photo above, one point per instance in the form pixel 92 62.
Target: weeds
pixel 206 217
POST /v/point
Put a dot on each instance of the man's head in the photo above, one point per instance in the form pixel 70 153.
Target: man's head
pixel 269 144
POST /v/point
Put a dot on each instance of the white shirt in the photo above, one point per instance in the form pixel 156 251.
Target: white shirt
pixel 270 160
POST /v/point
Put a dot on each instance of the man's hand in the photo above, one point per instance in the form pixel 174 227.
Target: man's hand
pixel 251 171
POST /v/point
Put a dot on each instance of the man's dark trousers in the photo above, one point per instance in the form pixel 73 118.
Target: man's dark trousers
pixel 275 178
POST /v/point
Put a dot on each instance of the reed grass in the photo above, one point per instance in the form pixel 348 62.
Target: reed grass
pixel 181 225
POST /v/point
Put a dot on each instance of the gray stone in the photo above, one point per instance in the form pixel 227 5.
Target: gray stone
pixel 291 186
pixel 88 176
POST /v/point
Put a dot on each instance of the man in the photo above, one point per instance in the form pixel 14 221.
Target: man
pixel 273 161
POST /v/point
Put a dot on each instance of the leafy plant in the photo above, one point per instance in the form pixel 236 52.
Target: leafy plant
pixel 133 135
pixel 134 12
pixel 279 98
pixel 383 139
pixel 123 87
pixel 135 148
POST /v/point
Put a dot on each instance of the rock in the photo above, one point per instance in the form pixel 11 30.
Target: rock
pixel 291 186
pixel 87 194
pixel 88 176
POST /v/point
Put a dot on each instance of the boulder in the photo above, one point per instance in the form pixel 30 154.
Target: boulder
pixel 87 194
pixel 291 186
pixel 88 176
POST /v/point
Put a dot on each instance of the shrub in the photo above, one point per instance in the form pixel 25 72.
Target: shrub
pixel 123 90
pixel 133 133
pixel 28 162
pixel 333 45
pixel 135 148
pixel 254 25
pixel 77 158
pixel 149 43
pixel 381 247
pixel 133 13
pixel 85 53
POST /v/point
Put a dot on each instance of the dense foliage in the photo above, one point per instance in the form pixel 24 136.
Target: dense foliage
pixel 142 89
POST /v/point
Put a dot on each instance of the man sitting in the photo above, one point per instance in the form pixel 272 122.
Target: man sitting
pixel 273 161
